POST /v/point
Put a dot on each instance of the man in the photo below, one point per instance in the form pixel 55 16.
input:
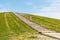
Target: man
pixel 30 17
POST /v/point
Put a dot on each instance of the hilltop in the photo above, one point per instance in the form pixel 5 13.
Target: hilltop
pixel 46 22
pixel 13 28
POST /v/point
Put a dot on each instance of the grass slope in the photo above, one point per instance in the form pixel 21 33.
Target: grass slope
pixel 48 23
pixel 12 28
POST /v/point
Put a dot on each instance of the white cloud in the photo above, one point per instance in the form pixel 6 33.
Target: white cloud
pixel 3 7
pixel 4 10
pixel 35 7
pixel 29 3
pixel 53 10
pixel 54 6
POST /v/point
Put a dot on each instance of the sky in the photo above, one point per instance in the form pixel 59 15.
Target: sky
pixel 48 8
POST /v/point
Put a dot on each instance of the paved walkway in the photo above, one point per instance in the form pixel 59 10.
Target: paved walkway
pixel 38 27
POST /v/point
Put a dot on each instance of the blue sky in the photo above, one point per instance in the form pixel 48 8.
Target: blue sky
pixel 49 8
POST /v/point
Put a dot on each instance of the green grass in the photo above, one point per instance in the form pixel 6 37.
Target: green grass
pixel 12 28
pixel 16 26
pixel 48 23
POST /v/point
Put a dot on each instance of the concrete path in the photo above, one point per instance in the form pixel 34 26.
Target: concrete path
pixel 39 28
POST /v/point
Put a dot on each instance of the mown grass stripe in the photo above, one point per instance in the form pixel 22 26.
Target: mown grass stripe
pixel 5 33
pixel 22 23
pixel 42 21
pixel 7 25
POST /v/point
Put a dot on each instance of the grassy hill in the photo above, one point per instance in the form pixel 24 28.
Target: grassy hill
pixel 13 28
pixel 48 23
